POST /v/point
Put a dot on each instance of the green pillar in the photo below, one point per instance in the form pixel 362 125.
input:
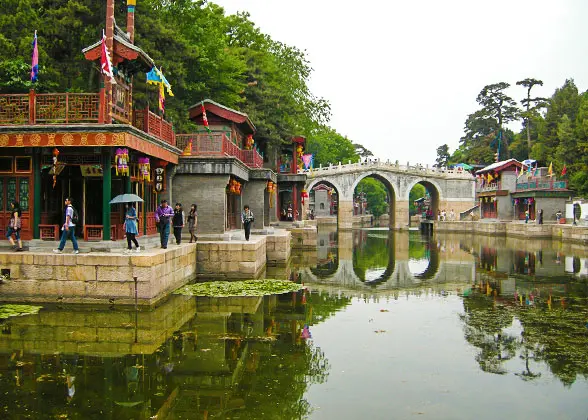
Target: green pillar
pixel 106 191
pixel 37 193
pixel 145 209
pixel 128 186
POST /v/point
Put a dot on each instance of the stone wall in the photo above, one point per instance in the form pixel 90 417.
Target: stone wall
pixel 231 259
pixel 97 277
pixel 278 247
pixel 304 238
pixel 208 193
pixel 254 195
pixel 566 233
pixel 97 331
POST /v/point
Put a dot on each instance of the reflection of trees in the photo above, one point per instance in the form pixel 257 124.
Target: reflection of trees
pixel 376 252
pixel 560 339
pixel 321 306
pixel 483 326
pixel 557 337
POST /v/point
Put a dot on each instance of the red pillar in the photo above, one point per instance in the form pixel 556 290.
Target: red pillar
pixel 109 45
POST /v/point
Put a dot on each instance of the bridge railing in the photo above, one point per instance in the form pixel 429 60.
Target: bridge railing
pixel 379 164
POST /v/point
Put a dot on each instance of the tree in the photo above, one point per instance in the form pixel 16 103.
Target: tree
pixel 532 105
pixel 376 195
pixel 442 160
pixel 328 146
pixel 500 107
pixel 362 151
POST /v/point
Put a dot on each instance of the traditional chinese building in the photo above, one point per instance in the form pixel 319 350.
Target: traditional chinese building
pixel 87 146
pixel 221 170
pixel 291 180
pixel 508 189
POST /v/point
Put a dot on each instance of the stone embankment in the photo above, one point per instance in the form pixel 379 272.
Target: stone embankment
pixel 568 233
pixel 97 277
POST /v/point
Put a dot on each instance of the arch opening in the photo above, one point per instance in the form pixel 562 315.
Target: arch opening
pixel 323 200
pixel 374 202
pixel 424 203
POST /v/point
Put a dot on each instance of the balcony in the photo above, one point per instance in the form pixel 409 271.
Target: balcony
pixel 493 186
pixel 78 108
pixel 218 145
pixel 542 184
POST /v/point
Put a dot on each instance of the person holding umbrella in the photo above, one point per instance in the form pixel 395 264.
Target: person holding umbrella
pixel 131 229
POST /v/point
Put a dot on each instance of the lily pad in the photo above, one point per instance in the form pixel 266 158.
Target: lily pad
pixel 7 311
pixel 239 288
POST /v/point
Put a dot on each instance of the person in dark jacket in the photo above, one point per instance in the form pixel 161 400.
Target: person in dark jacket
pixel 178 221
pixel 247 218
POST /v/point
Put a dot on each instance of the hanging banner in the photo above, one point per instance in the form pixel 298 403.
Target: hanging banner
pixel 91 170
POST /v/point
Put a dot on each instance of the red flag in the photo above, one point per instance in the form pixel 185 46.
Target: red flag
pixel 205 118
pixel 564 170
pixel 105 63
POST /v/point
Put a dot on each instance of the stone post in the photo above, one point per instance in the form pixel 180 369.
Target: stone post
pixel 345 214
pixel 401 215
pixel 254 197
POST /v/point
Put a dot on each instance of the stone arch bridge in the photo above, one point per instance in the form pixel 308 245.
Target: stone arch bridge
pixel 449 189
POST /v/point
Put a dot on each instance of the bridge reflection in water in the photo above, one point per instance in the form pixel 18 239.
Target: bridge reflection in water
pixel 379 259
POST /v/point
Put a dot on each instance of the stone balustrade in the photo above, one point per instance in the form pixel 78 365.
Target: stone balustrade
pixel 377 164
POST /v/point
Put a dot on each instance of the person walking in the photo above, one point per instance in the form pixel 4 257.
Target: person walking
pixel 131 228
pixel 192 220
pixel 68 230
pixel 526 216
pixel 178 221
pixel 540 216
pixel 14 226
pixel 247 218
pixel 163 216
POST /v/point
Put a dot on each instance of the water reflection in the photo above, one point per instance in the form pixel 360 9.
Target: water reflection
pixel 439 319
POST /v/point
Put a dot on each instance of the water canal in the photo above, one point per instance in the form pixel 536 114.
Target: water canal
pixel 390 325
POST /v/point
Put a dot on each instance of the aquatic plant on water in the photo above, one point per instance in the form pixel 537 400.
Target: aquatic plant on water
pixel 239 288
pixel 7 311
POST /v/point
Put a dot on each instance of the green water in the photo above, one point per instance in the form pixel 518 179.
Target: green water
pixel 389 326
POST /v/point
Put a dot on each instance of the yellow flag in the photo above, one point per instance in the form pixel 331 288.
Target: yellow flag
pixel 550 169
pixel 490 178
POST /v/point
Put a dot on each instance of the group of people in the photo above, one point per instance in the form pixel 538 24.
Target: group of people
pixel 166 217
pixel 442 215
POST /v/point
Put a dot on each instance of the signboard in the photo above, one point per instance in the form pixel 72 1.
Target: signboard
pixel 91 170
pixel 159 181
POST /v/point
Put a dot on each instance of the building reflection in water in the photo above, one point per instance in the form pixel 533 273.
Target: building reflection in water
pixel 188 358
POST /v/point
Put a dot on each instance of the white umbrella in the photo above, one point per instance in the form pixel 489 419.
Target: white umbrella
pixel 126 198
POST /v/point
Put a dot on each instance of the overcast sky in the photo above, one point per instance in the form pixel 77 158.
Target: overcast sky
pixel 402 76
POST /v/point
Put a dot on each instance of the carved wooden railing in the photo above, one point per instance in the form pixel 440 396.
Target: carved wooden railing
pixel 50 108
pixel 217 144
pixel 155 125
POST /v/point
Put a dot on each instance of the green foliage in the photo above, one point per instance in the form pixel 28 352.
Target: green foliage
pixel 376 195
pixel 203 52
pixel 418 191
pixel 442 160
pixel 9 310
pixel 328 146
pixel 239 288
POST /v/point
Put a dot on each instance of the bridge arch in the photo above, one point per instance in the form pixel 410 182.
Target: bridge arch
pixel 390 188
pixel 435 192
pixel 319 200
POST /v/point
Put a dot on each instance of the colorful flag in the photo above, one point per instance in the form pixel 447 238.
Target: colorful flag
pixel 517 171
pixel 307 160
pixel 35 61
pixel 564 170
pixel 105 62
pixel 205 118
pixel 156 77
pixel 161 100
pixel 550 169
pixel 490 178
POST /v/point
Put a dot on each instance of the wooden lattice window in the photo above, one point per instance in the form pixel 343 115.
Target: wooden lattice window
pixel 6 165
pixel 10 191
pixel 24 164
pixel 23 193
